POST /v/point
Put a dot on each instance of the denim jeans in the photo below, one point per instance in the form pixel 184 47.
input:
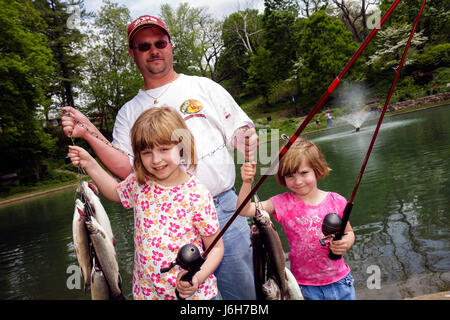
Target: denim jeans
pixel 235 277
pixel 339 290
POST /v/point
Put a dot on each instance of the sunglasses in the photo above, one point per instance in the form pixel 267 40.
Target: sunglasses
pixel 145 46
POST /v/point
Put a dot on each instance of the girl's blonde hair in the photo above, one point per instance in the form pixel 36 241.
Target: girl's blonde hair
pixel 301 150
pixel 161 126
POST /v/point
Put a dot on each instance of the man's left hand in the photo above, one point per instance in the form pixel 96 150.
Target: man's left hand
pixel 246 141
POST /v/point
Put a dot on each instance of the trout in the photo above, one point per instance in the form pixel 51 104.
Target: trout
pixel 89 192
pixel 293 289
pixel 259 261
pixel 271 290
pixel 81 243
pixel 106 257
pixel 99 287
pixel 276 260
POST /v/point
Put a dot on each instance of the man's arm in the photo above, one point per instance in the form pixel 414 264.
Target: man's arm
pixel 77 125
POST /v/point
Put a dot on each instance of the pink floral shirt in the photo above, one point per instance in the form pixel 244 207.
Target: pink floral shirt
pixel 302 224
pixel 165 219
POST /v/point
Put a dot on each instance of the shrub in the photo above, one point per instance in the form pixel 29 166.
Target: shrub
pixel 435 57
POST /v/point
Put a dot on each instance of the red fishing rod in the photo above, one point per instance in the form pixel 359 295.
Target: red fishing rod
pixel 188 256
pixel 349 206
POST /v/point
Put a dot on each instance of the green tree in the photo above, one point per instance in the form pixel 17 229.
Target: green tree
pixel 197 39
pixel 325 47
pixel 64 41
pixel 241 35
pixel 112 77
pixel 279 35
pixel 260 73
pixel 26 66
pixel 434 22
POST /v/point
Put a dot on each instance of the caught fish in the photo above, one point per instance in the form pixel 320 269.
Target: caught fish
pixel 95 246
pixel 106 256
pixel 89 192
pixel 273 280
pixel 99 288
pixel 81 243
pixel 259 261
pixel 293 289
pixel 275 258
pixel 271 290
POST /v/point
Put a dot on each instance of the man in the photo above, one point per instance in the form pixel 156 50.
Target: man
pixel 215 120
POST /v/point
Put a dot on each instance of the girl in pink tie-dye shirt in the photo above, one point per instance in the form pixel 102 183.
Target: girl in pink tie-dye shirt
pixel 171 207
pixel 301 212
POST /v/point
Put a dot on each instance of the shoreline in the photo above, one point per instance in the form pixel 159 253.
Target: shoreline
pixel 42 193
pixel 35 195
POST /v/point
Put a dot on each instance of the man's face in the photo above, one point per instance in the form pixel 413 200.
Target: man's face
pixel 153 63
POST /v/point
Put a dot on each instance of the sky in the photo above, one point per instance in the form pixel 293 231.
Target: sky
pixel 218 8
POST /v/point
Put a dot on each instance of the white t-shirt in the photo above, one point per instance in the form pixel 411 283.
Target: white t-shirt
pixel 211 114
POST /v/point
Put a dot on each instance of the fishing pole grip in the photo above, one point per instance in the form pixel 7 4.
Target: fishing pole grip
pixel 345 218
pixel 187 277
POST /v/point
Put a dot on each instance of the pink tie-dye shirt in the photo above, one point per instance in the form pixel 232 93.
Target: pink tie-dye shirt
pixel 302 224
pixel 165 219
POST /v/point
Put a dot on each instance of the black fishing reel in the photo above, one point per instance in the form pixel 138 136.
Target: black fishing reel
pixel 188 258
pixel 331 227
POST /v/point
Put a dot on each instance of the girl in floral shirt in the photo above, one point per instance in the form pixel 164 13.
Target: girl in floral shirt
pixel 171 207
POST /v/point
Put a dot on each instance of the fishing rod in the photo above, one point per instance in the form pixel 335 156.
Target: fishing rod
pixel 349 206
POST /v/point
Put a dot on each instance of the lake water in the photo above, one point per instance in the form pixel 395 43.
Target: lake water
pixel 400 216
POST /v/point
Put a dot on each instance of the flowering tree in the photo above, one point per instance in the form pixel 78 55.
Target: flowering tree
pixel 390 43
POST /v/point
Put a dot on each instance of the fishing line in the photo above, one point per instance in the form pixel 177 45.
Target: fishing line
pixel 81 172
pixel 305 122
pixel 349 206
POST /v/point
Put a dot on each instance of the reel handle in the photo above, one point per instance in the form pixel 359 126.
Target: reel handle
pixel 331 227
pixel 188 258
pixel 187 277
pixel 331 255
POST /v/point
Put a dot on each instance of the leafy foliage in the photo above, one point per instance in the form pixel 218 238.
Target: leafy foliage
pixel 294 47
pixel 112 79
pixel 326 46
pixel 26 65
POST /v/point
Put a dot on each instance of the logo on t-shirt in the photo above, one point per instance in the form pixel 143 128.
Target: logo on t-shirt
pixel 191 106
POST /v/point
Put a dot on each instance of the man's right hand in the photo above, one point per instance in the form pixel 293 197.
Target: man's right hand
pixel 70 120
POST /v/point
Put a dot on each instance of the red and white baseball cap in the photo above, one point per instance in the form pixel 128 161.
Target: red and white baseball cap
pixel 145 22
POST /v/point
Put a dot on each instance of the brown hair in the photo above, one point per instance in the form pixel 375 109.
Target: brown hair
pixel 161 126
pixel 301 150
